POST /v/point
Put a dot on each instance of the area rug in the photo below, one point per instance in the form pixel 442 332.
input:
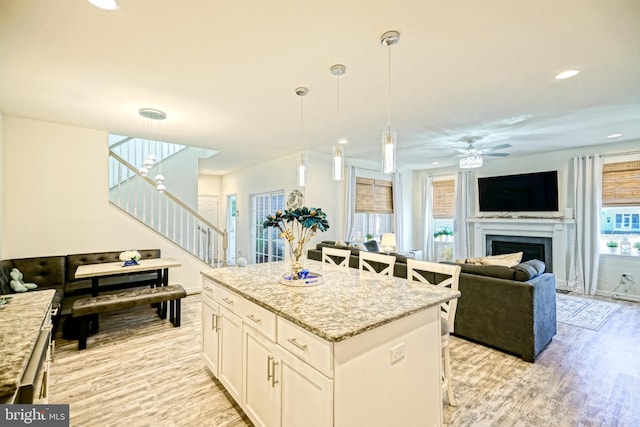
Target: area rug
pixel 583 312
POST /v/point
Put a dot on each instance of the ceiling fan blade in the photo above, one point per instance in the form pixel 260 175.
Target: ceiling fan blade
pixel 496 154
pixel 497 147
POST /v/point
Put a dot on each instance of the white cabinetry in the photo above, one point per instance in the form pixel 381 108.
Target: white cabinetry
pixel 283 375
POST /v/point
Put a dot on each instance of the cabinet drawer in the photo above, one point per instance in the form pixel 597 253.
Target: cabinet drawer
pixel 258 318
pixel 226 298
pixel 306 346
pixel 207 288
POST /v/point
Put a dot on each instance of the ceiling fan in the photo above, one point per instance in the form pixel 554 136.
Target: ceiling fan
pixel 473 150
pixel 472 157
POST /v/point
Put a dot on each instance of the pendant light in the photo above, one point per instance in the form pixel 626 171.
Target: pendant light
pixel 301 170
pixel 389 39
pixel 150 115
pixel 338 151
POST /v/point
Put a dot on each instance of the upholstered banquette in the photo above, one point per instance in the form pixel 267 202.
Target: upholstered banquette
pixel 58 272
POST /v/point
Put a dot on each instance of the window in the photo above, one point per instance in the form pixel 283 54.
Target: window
pixel 443 214
pixel 268 245
pixel 620 217
pixel 374 207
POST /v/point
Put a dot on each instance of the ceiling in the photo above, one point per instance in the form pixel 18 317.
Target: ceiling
pixel 225 72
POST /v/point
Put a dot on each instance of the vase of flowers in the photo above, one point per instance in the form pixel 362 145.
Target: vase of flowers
pixel 297 227
pixel 129 258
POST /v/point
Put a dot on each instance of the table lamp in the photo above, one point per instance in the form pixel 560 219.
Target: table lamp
pixel 388 242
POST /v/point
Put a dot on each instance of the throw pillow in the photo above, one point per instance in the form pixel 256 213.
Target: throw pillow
pixel 528 270
pixel 341 243
pixel 507 260
pixel 372 246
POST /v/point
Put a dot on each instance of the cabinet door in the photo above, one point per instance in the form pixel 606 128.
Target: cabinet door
pixel 306 394
pixel 210 319
pixel 261 390
pixel 230 361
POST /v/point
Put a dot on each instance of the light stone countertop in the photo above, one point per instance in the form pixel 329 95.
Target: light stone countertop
pixel 20 323
pixel 347 303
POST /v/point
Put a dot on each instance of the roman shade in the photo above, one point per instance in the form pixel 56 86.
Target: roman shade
pixel 621 184
pixel 374 196
pixel 444 199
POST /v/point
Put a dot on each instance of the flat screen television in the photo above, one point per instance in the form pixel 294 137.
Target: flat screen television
pixel 529 192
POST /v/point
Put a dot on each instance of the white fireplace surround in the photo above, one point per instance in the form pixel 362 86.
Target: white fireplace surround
pixel 558 229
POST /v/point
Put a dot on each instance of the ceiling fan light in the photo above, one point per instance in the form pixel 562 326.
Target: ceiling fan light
pixel 470 162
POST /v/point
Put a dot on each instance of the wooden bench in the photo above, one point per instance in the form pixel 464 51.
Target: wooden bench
pixel 87 309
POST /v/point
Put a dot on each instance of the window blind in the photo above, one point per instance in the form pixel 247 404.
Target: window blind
pixel 444 199
pixel 621 184
pixel 374 196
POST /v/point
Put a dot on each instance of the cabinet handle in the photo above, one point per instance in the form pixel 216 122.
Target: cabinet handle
pixel 213 322
pixel 206 288
pixel 227 300
pixel 293 341
pixel 269 374
pixel 217 322
pixel 273 374
pixel 253 318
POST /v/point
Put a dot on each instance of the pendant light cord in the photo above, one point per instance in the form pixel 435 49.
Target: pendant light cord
pixel 389 95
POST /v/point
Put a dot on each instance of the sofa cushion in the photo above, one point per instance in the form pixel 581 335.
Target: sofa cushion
pixel 372 246
pixel 499 271
pixel 507 260
pixel 399 258
pixel 528 270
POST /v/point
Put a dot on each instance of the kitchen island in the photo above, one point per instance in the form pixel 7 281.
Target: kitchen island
pixel 357 349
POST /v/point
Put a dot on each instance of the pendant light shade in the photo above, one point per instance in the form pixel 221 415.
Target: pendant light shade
pixel 388 152
pixel 389 39
pixel 301 167
pixel 301 170
pixel 338 151
pixel 338 163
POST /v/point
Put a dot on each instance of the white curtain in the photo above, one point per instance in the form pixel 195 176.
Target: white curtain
pixel 350 202
pixel 587 187
pixel 427 214
pixel 463 206
pixel 398 208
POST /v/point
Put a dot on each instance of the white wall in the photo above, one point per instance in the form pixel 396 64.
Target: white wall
pixel 56 198
pixel 280 174
pixel 2 173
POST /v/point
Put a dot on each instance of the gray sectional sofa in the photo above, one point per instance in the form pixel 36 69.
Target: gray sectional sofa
pixel 512 309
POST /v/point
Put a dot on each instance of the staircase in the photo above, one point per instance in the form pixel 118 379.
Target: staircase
pixel 162 212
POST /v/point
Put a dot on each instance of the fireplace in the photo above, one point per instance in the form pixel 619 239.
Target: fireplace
pixel 531 247
pixel 557 234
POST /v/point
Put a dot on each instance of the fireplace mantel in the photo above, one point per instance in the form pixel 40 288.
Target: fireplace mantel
pixel 558 229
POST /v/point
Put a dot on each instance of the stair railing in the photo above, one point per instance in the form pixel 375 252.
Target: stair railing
pixel 166 214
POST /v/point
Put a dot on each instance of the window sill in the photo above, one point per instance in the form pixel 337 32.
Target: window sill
pixel 634 254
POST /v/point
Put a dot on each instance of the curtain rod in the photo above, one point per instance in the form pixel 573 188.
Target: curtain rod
pixel 626 153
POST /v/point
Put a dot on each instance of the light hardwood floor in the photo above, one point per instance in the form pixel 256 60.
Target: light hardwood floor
pixel 141 371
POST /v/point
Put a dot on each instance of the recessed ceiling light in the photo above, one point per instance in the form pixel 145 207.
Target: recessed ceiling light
pixel 566 74
pixel 614 135
pixel 105 4
pixel 435 163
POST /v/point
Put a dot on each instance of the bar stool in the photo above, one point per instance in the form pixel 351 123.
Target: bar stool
pixel 334 256
pixel 369 260
pixel 432 273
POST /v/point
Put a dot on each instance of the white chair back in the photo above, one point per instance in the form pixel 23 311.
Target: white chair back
pixel 367 257
pixel 334 256
pixel 418 270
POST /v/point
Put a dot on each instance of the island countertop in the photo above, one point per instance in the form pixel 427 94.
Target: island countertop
pixel 20 323
pixel 347 303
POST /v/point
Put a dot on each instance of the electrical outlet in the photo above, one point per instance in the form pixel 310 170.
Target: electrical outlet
pixel 397 353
